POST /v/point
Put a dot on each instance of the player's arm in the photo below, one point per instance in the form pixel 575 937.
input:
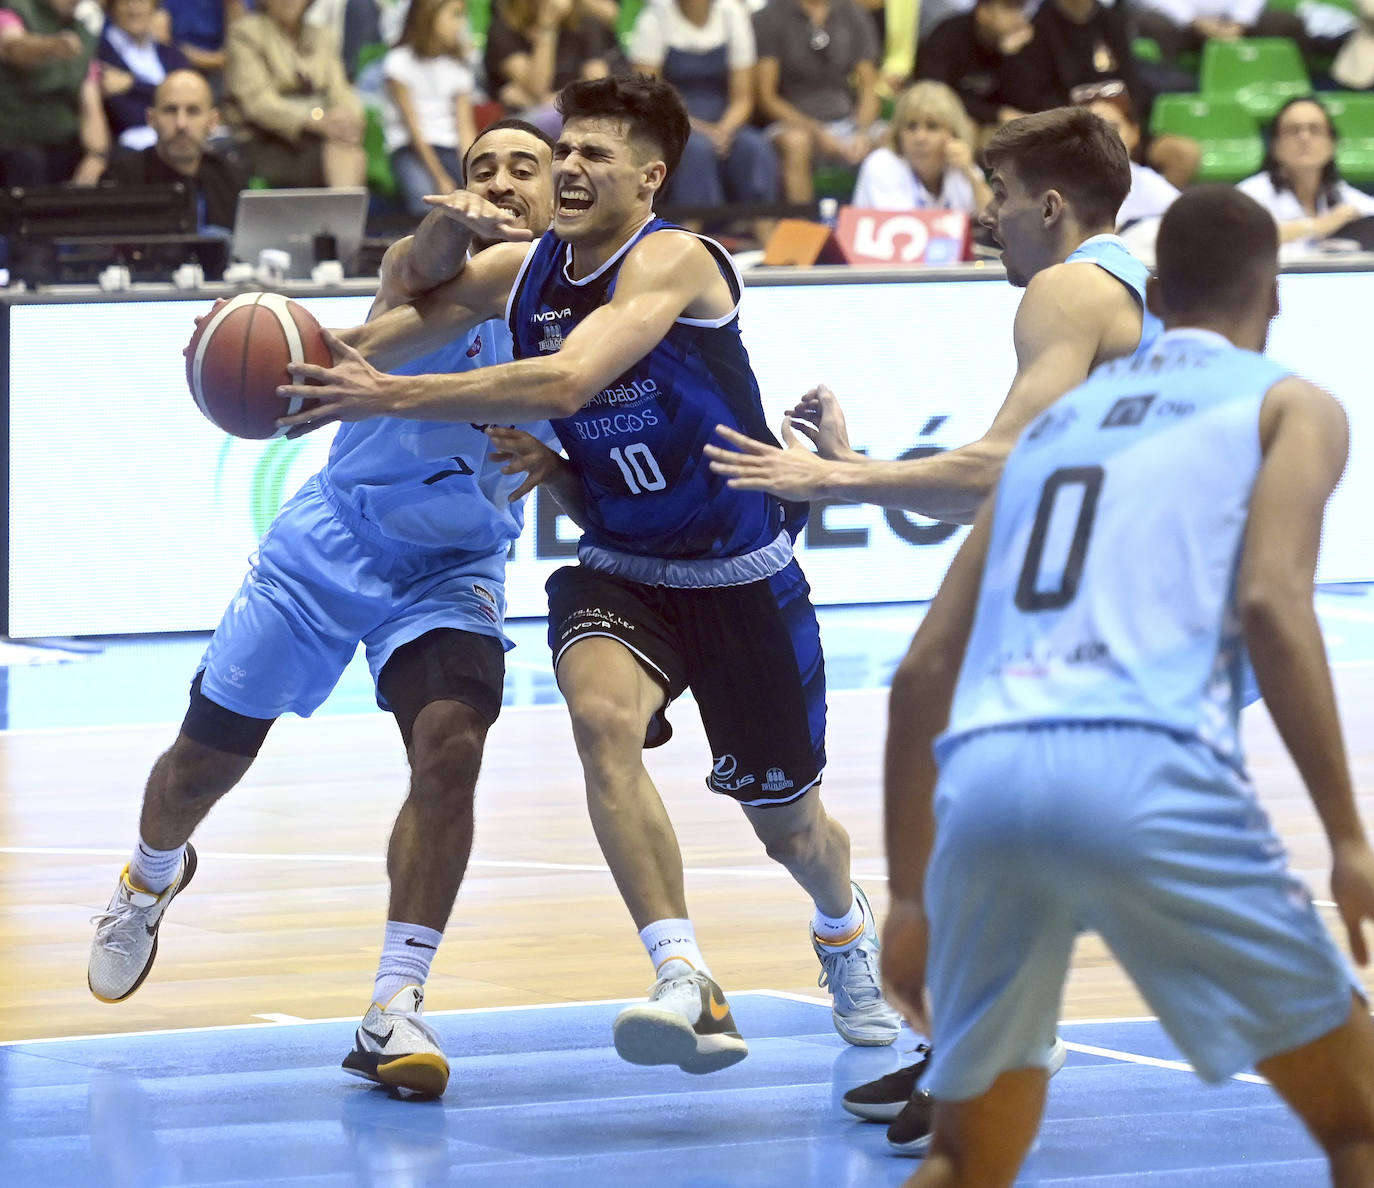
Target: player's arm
pixel 918 710
pixel 438 251
pixel 428 321
pixel 662 278
pixel 1058 334
pixel 1305 438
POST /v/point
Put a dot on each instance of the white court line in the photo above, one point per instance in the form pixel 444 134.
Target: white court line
pixel 278 1020
pixel 742 872
pixel 1150 1061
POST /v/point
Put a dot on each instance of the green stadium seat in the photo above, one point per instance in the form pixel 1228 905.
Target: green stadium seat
pixel 629 13
pixel 379 177
pixel 1226 132
pixel 479 18
pixel 1352 112
pixel 834 181
pixel 1259 73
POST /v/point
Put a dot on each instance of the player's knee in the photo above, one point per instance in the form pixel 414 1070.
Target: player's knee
pixel 606 729
pixel 446 755
pixel 792 846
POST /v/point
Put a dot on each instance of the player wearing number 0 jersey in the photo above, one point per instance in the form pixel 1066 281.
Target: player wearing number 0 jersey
pixel 1149 529
pixel 627 336
pixel 399 543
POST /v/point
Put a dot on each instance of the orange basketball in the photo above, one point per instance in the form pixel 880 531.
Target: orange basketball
pixel 238 357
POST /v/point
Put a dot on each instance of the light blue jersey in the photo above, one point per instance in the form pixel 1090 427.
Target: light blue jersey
pixel 1098 604
pixel 1110 253
pixel 412 485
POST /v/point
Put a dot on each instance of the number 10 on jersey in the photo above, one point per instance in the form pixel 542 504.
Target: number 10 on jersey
pixel 640 468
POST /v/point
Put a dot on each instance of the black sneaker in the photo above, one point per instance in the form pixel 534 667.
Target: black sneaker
pixel 882 1100
pixel 910 1130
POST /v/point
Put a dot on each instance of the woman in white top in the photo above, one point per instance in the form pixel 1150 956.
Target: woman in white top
pixel 928 161
pixel 706 49
pixel 1299 185
pixel 428 119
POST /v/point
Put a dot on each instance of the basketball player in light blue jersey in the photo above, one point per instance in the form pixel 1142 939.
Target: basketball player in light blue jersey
pixel 1083 659
pixel 627 337
pixel 1058 179
pixel 400 544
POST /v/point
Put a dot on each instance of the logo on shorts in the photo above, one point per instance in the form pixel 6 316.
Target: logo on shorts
pixel 236 675
pixel 476 348
pixel 488 608
pixel 777 781
pixel 722 775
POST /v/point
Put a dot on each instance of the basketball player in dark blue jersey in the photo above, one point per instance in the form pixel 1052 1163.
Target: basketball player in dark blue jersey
pixel 627 338
pixel 360 555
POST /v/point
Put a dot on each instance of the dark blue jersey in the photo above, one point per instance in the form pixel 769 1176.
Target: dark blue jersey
pixel 637 444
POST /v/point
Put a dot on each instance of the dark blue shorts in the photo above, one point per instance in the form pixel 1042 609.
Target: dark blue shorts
pixel 751 654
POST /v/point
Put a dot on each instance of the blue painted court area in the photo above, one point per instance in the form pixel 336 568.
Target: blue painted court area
pixel 538 1096
pixel 135 680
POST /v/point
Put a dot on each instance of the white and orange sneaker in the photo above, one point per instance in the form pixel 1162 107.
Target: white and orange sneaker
pixel 126 934
pixel 394 1046
pixel 686 1022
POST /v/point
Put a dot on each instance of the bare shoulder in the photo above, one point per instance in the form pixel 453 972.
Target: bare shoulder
pixel 1083 301
pixel 1296 399
pixel 666 253
pixel 677 264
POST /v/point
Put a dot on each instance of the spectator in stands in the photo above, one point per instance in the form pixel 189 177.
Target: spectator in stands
pixel 974 52
pixel 536 47
pixel 198 28
pixel 133 62
pixel 1182 26
pixel 1299 184
pixel 1151 193
pixel 928 162
pixel 1079 44
pixel 705 48
pixel 52 122
pixel 182 117
pixel 289 102
pixel 817 86
pixel 1353 67
pixel 429 113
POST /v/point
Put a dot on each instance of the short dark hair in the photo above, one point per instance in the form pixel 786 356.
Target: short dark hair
pixel 1329 184
pixel 652 108
pixel 1215 248
pixel 516 125
pixel 1071 150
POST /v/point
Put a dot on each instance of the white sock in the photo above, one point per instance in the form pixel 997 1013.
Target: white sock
pixel 673 940
pixel 839 930
pixel 407 951
pixel 153 870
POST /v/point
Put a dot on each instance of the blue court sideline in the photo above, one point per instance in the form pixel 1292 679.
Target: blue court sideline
pixel 538 1096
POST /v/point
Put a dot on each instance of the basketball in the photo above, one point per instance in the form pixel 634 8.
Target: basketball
pixel 238 357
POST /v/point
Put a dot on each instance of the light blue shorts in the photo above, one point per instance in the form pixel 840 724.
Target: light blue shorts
pixel 1150 841
pixel 319 585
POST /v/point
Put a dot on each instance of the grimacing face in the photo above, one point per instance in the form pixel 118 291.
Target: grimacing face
pixel 598 178
pixel 513 170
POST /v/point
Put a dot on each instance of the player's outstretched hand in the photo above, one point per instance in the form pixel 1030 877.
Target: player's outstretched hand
pixel 484 219
pixel 522 453
pixel 351 390
pixel 791 473
pixel 906 941
pixel 819 417
pixel 1352 887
